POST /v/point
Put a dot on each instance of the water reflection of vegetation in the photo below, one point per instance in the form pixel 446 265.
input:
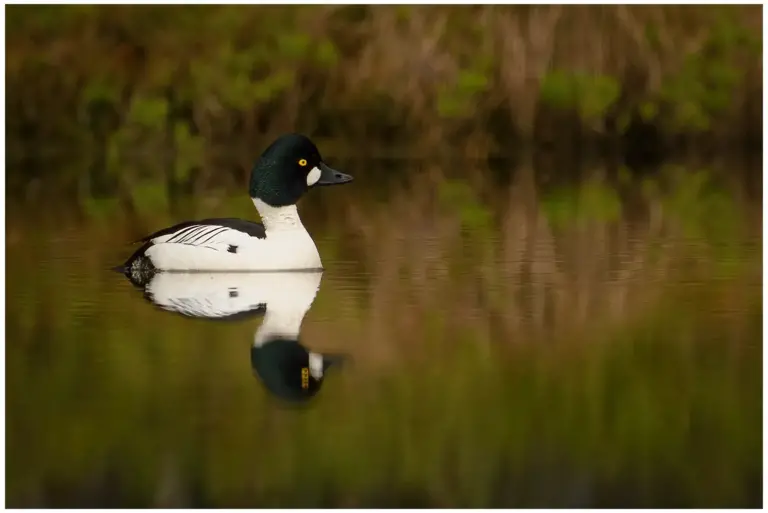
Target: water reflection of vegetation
pixel 616 362
pixel 663 413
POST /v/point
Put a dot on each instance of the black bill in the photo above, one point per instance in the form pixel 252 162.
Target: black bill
pixel 335 360
pixel 329 176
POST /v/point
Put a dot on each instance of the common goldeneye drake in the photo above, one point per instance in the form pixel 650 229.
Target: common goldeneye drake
pixel 287 169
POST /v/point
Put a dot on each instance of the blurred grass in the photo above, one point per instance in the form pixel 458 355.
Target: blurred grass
pixel 596 345
pixel 182 98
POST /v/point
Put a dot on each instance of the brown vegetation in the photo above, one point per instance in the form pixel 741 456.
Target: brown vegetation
pixel 186 92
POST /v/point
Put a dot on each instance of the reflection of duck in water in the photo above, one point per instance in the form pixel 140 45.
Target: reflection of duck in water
pixel 287 369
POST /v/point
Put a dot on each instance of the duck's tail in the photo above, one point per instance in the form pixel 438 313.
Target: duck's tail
pixel 138 268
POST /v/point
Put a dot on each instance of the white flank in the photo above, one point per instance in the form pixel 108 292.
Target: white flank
pixel 313 176
pixel 316 365
pixel 288 246
pixel 287 297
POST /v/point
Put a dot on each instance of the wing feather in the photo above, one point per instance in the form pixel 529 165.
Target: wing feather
pixel 223 234
pixel 180 231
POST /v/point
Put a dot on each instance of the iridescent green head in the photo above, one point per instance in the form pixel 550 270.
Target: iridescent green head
pixel 288 168
pixel 289 370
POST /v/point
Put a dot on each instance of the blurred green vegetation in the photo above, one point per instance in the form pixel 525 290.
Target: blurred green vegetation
pixel 156 101
pixel 638 383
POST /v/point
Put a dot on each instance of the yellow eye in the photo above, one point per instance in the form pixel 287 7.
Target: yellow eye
pixel 303 162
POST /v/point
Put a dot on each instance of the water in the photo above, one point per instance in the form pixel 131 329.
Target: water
pixel 512 350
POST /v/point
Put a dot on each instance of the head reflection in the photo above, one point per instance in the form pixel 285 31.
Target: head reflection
pixel 287 369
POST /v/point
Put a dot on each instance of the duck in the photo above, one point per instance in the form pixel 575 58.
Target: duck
pixel 287 169
pixel 289 370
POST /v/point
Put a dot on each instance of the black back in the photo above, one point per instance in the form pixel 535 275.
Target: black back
pixel 249 227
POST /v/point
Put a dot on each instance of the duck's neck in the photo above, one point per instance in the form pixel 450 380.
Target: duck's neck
pixel 288 297
pixel 278 219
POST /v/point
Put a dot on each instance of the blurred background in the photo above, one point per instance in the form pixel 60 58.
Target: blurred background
pixel 547 271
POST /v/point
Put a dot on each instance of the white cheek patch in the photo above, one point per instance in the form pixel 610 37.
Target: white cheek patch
pixel 313 176
pixel 316 365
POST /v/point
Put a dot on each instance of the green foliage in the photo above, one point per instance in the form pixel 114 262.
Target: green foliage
pixel 327 54
pixel 691 94
pixel 648 111
pixel 293 46
pixel 91 79
pixel 589 95
pixel 189 151
pixel 461 97
pixel 593 201
pixel 458 200
pixel 149 198
pixel 694 199
pixel 704 85
pixel 459 100
pixel 148 112
pixel 652 36
pixel 101 209
pixel 704 209
pixel 100 89
pixel 459 197
pixel 558 90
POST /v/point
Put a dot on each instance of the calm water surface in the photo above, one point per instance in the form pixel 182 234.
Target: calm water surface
pixel 605 364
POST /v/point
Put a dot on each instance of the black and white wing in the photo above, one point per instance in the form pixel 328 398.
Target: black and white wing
pixel 224 234
pixel 219 296
pixel 233 296
pixel 208 232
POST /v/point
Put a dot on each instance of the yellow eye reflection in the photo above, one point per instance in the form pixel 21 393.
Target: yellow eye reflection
pixel 303 162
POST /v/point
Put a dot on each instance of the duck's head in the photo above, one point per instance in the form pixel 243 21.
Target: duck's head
pixel 288 168
pixel 289 370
